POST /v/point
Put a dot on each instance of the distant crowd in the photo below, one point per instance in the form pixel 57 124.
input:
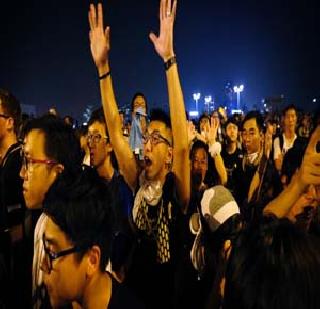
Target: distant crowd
pixel 162 212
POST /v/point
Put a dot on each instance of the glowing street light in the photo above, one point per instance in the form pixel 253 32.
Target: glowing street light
pixel 196 97
pixel 238 90
pixel 207 101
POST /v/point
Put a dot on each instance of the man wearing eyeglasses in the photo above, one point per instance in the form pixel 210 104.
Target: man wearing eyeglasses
pixel 12 208
pixel 103 159
pixel 256 179
pixel 101 151
pixel 77 242
pixel 164 184
pixel 51 153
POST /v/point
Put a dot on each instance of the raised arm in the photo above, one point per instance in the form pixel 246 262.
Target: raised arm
pixel 163 45
pixel 100 48
pixel 308 174
pixel 214 150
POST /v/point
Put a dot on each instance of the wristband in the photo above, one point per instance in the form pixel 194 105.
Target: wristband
pixel 170 62
pixel 215 149
pixel 104 75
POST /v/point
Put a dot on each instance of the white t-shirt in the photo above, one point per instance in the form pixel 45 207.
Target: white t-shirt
pixel 38 254
pixel 286 146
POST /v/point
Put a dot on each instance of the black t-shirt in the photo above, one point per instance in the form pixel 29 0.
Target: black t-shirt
pixel 154 282
pixel 11 193
pixel 270 188
pixel 231 162
pixel 124 236
pixel 123 298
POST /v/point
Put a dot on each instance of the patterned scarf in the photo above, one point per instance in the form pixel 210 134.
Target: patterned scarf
pixel 150 195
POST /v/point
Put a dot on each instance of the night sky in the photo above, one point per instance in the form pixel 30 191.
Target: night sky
pixel 272 47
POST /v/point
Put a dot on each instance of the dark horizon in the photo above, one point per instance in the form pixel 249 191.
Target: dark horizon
pixel 272 47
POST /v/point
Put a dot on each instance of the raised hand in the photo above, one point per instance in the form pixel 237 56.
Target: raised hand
pixel 310 168
pixel 99 37
pixel 268 144
pixel 163 43
pixel 213 130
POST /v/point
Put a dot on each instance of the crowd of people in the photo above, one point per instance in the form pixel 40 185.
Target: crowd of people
pixel 222 212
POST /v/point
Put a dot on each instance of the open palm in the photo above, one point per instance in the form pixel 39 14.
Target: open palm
pixel 99 38
pixel 163 43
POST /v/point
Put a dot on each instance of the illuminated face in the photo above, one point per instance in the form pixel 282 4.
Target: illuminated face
pixel 204 124
pixel 232 132
pixel 38 171
pixel 6 123
pixel 157 151
pixel 99 147
pixel 64 276
pixel 139 102
pixel 290 119
pixel 199 166
pixel 251 136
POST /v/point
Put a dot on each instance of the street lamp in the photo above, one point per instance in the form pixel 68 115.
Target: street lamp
pixel 238 90
pixel 196 97
pixel 207 101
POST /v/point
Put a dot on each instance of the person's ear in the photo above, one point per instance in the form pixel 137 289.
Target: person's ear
pixel 169 156
pixel 93 257
pixel 58 169
pixel 10 123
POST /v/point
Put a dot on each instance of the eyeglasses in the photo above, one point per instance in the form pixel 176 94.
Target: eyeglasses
pixel 4 116
pixel 95 138
pixel 27 162
pixel 49 257
pixel 155 138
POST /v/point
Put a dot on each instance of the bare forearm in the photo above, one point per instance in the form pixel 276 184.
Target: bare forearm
pixel 124 155
pixel 219 164
pixel 181 165
pixel 281 205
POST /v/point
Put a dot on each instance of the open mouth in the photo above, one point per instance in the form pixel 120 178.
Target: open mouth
pixel 147 161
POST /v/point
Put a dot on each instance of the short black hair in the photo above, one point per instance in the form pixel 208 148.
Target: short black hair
pixel 84 212
pixel 288 107
pixel 139 94
pixel 254 115
pixel 198 144
pixel 98 116
pixel 204 115
pixel 273 265
pixel 158 114
pixel 232 120
pixel 61 143
pixel 11 107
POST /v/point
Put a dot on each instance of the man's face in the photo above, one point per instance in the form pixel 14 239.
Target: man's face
pixel 251 136
pixel 157 153
pixel 65 279
pixel 139 102
pixel 3 123
pixel 37 177
pixel 232 132
pixel 204 124
pixel 290 119
pixel 98 144
pixel 199 165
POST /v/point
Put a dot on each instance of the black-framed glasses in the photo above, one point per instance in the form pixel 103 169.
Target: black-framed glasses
pixel 95 138
pixel 27 162
pixel 4 116
pixel 155 138
pixel 49 257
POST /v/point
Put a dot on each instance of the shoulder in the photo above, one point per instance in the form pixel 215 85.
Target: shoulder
pixel 122 297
